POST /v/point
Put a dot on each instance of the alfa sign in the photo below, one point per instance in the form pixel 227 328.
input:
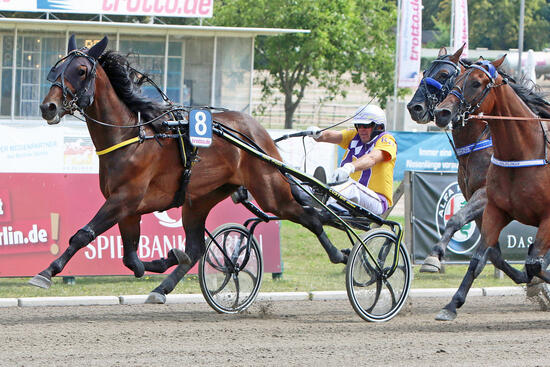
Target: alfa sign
pixel 160 8
pixel 449 203
pixel 435 198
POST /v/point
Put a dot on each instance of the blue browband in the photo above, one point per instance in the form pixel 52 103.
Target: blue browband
pixel 480 145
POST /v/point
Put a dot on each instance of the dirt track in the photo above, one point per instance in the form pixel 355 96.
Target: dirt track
pixel 489 331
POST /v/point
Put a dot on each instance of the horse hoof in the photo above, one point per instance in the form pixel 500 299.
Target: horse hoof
pixel 445 315
pixel 538 292
pixel 181 256
pixel 533 288
pixel 40 281
pixel 156 298
pixel 431 265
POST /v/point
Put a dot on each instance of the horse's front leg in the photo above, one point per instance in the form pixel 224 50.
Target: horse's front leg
pixel 130 233
pixel 194 213
pixel 194 249
pixel 112 211
pixel 472 210
pixel 493 223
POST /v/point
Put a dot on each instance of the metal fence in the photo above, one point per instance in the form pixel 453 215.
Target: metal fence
pixel 307 114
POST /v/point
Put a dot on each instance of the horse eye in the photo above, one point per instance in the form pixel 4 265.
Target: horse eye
pixel 445 75
pixel 81 72
pixel 476 84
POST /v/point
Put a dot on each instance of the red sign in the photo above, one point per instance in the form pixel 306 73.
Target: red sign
pixel 39 212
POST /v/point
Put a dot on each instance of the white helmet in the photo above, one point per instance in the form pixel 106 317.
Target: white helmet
pixel 370 113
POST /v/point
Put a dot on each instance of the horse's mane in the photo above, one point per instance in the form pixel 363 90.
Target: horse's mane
pixel 530 93
pixel 127 84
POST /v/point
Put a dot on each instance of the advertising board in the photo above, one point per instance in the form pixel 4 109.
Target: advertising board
pixel 49 188
pixel 159 8
pixel 435 198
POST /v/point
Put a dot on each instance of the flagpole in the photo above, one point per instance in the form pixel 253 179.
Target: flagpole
pixel 520 38
pixel 452 35
pixel 396 76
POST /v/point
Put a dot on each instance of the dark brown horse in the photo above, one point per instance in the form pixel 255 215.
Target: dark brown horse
pixel 143 176
pixel 471 145
pixel 517 178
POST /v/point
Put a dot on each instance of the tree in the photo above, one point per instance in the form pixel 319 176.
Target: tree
pixel 346 36
pixel 494 24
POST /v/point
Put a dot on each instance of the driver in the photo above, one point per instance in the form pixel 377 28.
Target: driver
pixel 367 167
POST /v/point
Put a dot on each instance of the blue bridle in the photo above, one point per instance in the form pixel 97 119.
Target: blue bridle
pixel 465 108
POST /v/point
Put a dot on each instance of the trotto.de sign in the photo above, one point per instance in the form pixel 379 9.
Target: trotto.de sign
pixel 160 8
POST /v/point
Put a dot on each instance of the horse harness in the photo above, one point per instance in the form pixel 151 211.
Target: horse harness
pixel 177 128
pixel 441 89
pixel 466 110
pixel 84 96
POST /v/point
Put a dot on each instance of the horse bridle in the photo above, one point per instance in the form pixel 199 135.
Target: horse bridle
pixel 85 89
pixel 465 109
pixel 441 89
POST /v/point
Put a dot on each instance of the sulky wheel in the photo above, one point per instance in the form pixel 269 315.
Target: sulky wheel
pixel 227 285
pixel 376 293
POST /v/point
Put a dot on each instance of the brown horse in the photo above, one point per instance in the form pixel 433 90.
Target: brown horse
pixel 143 175
pixel 471 145
pixel 517 176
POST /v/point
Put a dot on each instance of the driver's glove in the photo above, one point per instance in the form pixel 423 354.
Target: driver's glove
pixel 342 173
pixel 314 132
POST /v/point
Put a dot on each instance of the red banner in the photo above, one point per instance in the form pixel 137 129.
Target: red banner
pixel 39 212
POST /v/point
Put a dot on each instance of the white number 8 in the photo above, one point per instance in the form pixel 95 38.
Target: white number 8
pixel 200 125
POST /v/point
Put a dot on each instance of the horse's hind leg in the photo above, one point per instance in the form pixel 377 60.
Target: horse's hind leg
pixel 308 217
pixel 477 264
pixel 110 213
pixel 286 207
pixel 472 210
pixel 174 257
pixel 536 261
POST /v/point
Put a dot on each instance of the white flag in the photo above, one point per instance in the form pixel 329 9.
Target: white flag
pixel 410 43
pixel 460 26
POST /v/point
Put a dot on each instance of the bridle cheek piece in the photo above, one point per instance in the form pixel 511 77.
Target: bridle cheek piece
pixel 84 96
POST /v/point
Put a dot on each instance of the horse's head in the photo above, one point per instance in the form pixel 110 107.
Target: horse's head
pixel 437 82
pixel 470 94
pixel 73 81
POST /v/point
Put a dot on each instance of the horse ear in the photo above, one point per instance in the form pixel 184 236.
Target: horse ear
pixel 499 61
pixel 442 52
pixel 72 44
pixel 456 56
pixel 98 48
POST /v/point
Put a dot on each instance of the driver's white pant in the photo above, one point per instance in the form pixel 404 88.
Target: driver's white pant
pixel 354 191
